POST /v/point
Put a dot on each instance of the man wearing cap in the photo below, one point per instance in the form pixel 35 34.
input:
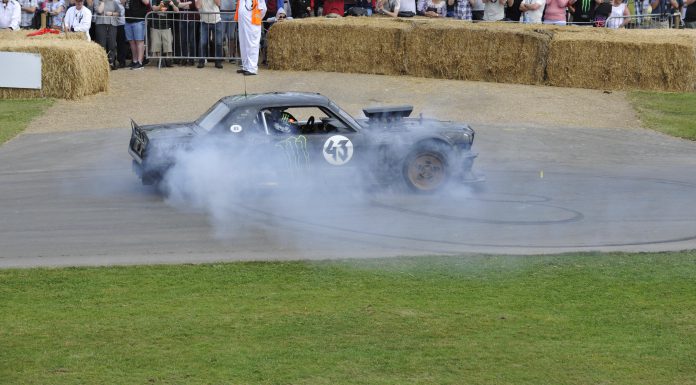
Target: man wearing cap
pixel 78 19
pixel 10 14
pixel 249 15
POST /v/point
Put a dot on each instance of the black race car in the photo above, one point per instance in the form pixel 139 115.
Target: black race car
pixel 307 131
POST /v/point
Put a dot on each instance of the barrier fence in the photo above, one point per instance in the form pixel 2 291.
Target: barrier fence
pixel 195 36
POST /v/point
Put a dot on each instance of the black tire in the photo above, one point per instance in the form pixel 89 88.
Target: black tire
pixel 426 168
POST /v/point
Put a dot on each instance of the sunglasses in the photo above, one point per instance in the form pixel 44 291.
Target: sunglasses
pixel 281 17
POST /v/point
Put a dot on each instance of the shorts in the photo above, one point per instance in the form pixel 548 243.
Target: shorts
pixel 135 31
pixel 161 40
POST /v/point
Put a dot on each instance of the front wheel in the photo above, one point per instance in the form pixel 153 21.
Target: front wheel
pixel 426 169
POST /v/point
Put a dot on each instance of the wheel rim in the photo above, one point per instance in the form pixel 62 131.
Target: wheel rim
pixel 426 172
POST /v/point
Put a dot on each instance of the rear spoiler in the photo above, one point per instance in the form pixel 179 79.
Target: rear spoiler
pixel 387 113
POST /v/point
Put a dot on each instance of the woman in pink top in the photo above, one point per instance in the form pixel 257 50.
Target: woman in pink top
pixel 555 12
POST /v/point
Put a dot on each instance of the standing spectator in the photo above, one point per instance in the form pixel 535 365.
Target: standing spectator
pixel 301 8
pixel 477 9
pixel 332 8
pixel 187 30
pixel 78 19
pixel 249 18
pixel 211 21
pixel 106 20
pixel 407 8
pixel 121 42
pixel 494 10
pixel 434 8
pixel 10 14
pixel 664 9
pixel 54 10
pixel 162 39
pixel 690 18
pixel 463 9
pixel 583 11
pixel 389 7
pixel 135 30
pixel 512 13
pixel 619 15
pixel 555 12
pixel 229 27
pixel 532 11
pixel 29 7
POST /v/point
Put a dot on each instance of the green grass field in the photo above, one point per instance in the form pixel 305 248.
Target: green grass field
pixel 16 114
pixel 571 319
pixel 671 113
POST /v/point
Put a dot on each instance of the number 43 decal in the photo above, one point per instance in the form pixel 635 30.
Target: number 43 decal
pixel 338 150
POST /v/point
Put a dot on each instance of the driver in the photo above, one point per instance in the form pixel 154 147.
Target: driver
pixel 283 122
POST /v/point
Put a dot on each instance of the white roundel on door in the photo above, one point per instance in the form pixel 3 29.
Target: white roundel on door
pixel 338 150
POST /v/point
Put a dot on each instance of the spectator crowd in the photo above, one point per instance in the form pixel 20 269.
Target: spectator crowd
pixel 193 30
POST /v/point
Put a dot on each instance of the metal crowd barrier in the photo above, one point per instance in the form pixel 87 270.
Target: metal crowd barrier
pixel 649 21
pixel 186 28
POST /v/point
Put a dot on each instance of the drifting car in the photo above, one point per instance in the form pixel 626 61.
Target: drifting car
pixel 312 132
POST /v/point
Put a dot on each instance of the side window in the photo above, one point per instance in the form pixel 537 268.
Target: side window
pixel 302 121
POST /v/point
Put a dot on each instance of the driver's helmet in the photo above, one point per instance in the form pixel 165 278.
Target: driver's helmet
pixel 283 122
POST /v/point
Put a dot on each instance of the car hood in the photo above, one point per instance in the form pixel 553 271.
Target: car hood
pixel 411 125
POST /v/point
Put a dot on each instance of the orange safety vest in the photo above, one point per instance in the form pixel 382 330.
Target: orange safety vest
pixel 255 12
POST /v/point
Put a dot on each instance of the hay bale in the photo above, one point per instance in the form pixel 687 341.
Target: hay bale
pixel 599 58
pixel 494 52
pixel 70 68
pixel 23 34
pixel 355 44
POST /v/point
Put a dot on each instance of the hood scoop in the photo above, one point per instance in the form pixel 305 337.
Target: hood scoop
pixel 387 113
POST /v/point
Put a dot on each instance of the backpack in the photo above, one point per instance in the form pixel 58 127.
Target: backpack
pixel 356 11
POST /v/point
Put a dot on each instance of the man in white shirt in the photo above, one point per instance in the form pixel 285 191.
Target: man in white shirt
pixel 10 14
pixel 78 19
pixel 28 9
pixel 532 11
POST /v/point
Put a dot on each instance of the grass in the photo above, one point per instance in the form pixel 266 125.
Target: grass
pixel 16 114
pixel 671 113
pixel 570 319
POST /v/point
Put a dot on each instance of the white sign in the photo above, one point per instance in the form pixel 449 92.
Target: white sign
pixel 20 70
pixel 338 150
pixel 236 128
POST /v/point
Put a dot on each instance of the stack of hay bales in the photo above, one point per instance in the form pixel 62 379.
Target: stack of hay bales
pixel 564 56
pixel 660 59
pixel 356 44
pixel 452 49
pixel 71 67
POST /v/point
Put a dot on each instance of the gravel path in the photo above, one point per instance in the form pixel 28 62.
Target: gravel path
pixel 182 93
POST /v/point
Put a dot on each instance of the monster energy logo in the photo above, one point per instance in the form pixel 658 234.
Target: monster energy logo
pixel 295 150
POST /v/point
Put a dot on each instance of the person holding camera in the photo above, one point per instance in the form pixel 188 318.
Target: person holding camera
pixel 161 29
pixel 78 19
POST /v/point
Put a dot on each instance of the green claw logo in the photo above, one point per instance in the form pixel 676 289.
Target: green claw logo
pixel 295 150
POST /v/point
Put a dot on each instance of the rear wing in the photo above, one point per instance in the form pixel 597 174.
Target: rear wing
pixel 387 113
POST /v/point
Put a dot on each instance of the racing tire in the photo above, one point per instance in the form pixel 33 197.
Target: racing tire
pixel 426 168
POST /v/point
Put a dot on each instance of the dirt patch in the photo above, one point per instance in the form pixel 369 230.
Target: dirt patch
pixel 183 93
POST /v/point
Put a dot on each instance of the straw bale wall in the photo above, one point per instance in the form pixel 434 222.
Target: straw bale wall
pixel 566 56
pixel 357 45
pixel 71 67
pixel 466 51
pixel 662 60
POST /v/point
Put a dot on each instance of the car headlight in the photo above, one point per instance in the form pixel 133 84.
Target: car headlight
pixel 459 136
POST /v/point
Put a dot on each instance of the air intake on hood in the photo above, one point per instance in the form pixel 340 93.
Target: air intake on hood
pixel 388 113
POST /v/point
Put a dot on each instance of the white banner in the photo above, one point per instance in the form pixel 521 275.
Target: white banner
pixel 20 70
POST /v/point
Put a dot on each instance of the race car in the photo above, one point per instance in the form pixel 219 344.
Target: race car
pixel 307 131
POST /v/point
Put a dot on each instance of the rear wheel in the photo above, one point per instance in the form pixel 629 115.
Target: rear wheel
pixel 426 169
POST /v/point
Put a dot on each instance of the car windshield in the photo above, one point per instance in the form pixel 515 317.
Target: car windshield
pixel 213 116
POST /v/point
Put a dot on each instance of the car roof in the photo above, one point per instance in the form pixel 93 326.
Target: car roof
pixel 277 99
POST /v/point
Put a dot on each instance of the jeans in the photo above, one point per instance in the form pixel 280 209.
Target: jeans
pixel 187 38
pixel 205 32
